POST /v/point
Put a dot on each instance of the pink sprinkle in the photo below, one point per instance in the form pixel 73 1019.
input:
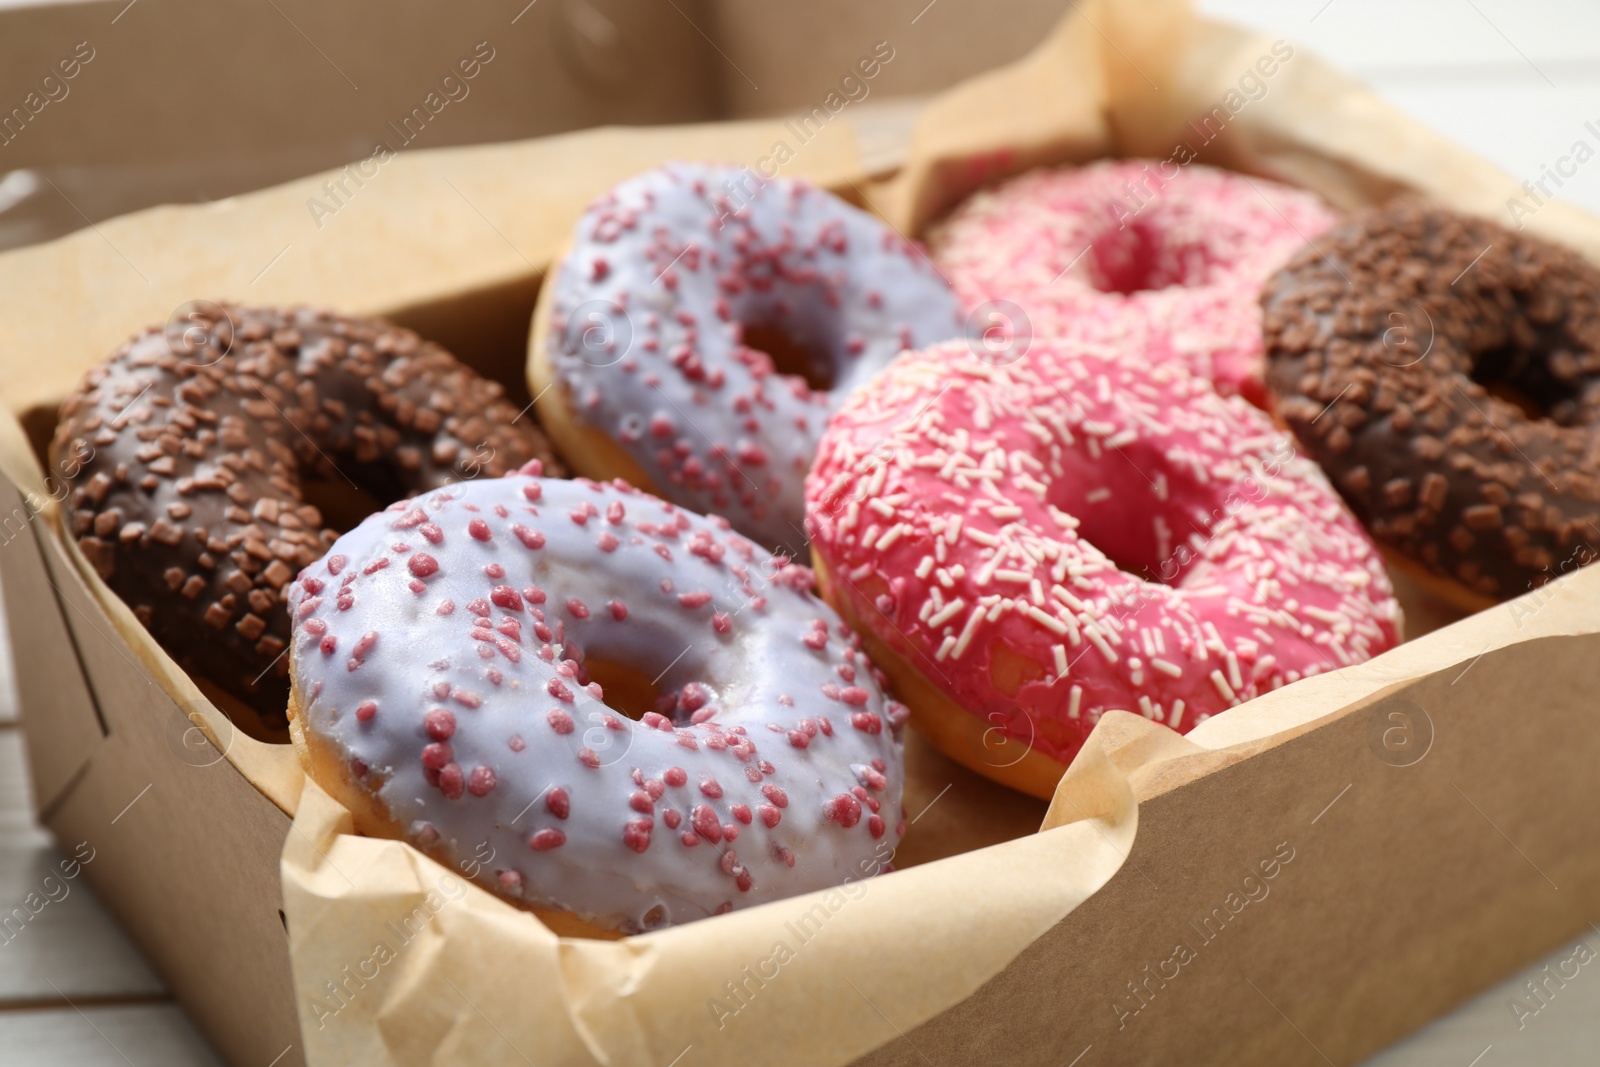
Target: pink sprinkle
pixel 311 585
pixel 533 595
pixel 721 623
pixel 867 722
pixel 640 801
pixel 657 721
pixel 547 839
pixel 671 818
pixel 694 600
pixel 694 697
pixel 435 756
pixel 769 815
pixel 307 606
pixel 529 538
pixel 742 813
pixel 432 533
pixel 854 695
pixel 815 638
pixel 314 627
pixel 506 597
pixel 494 571
pixel 675 776
pixel 376 565
pixel 346 601
pixel 636 834
pixel 843 809
pixel 328 644
pixel 451 781
pixel 366 710
pixel 579 516
pixel 775 794
pixel 799 739
pixel 516 743
pixel 510 881
pixel 446 607
pixel 466 698
pixel 478 607
pixel 336 564
pixel 619 610
pixel 607 541
pixel 439 723
pixel 559 720
pixel 422 565
pixel 613 513
pixel 364 645
pixel 710 788
pixel 412 518
pixel 533 490
pixel 875 825
pixel 481 781
pixel 478 529
pixel 590 758
pixel 558 802
pixel 705 823
pixel 577 608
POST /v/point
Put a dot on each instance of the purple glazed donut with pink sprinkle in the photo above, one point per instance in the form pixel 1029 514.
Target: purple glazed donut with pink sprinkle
pixel 673 345
pixel 445 666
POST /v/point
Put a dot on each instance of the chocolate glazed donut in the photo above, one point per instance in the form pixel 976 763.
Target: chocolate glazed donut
pixel 200 436
pixel 1445 372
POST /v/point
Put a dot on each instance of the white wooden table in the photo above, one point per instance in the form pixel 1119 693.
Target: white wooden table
pixel 1515 80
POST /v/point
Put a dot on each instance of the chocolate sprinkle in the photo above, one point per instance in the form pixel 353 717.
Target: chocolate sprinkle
pixel 1445 371
pixel 190 502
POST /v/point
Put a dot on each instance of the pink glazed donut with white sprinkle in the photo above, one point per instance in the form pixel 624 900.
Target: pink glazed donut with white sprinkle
pixel 1143 255
pixel 446 662
pixel 1027 547
pixel 704 324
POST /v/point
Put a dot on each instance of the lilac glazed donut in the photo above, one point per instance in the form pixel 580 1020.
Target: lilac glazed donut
pixel 442 689
pixel 654 344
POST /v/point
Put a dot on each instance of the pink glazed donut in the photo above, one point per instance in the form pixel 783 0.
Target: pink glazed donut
pixel 445 662
pixel 1133 253
pixel 1026 547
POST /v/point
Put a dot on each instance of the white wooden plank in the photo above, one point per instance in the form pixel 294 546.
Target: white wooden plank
pixel 1558 1023
pixel 133 1036
pixel 17 825
pixel 56 939
pixel 1363 35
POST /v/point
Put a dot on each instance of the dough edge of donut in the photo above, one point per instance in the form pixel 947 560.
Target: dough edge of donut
pixel 323 765
pixel 939 719
pixel 587 450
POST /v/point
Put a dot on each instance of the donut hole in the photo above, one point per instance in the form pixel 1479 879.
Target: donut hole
pixel 628 690
pixel 1543 382
pixel 343 506
pixel 1134 256
pixel 790 354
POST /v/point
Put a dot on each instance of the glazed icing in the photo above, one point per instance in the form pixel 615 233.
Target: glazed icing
pixel 1125 253
pixel 651 304
pixel 975 514
pixel 440 650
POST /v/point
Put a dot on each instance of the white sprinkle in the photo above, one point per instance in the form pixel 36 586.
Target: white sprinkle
pixel 1222 687
pixel 946 613
pixel 1167 667
pixel 1095 496
pixel 1177 713
pixel 1073 701
pixel 1234 678
pixel 966 634
pixel 1049 622
pixel 1060 652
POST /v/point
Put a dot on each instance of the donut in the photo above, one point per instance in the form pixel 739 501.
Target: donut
pixel 1027 546
pixel 705 322
pixel 192 446
pixel 1445 371
pixel 448 662
pixel 1118 251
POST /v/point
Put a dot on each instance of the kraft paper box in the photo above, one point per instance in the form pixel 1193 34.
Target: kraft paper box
pixel 1303 879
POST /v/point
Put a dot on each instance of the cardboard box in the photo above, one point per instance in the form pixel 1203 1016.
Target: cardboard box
pixel 1303 879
